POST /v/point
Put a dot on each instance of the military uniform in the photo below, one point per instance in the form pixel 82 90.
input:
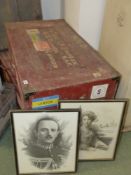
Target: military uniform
pixel 50 157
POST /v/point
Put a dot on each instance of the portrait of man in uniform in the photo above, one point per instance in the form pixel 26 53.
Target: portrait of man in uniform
pixel 47 145
pixel 45 141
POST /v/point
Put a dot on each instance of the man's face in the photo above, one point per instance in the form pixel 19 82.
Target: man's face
pixel 47 131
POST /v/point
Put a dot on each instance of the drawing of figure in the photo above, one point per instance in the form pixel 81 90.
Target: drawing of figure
pixel 90 134
pixel 47 146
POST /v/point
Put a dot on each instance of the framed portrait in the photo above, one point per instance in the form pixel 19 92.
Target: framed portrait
pixel 99 127
pixel 45 141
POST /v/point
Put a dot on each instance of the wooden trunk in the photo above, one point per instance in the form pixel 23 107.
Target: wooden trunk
pixel 49 58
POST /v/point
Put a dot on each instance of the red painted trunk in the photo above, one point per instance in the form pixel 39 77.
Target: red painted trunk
pixel 49 58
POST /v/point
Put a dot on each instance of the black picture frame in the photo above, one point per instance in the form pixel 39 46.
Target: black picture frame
pixel 45 141
pixel 99 136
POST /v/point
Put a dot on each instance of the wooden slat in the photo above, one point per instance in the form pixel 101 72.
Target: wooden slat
pixel 29 10
pixel 17 10
pixel 8 12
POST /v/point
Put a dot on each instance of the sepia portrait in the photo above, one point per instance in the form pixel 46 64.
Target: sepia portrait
pixel 100 124
pixel 45 141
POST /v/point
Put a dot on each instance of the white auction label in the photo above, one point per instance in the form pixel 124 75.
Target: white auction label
pixel 25 82
pixel 99 91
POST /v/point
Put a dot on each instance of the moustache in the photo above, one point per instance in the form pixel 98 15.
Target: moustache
pixel 49 137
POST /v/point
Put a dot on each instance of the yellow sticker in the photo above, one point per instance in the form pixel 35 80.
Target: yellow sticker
pixel 38 40
pixel 45 102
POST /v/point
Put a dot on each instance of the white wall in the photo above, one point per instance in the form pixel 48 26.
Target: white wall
pixel 91 20
pixel 72 13
pixel 52 9
pixel 86 17
pixel 115 46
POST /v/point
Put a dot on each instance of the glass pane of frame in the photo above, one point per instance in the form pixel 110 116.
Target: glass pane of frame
pixel 45 141
pixel 100 125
